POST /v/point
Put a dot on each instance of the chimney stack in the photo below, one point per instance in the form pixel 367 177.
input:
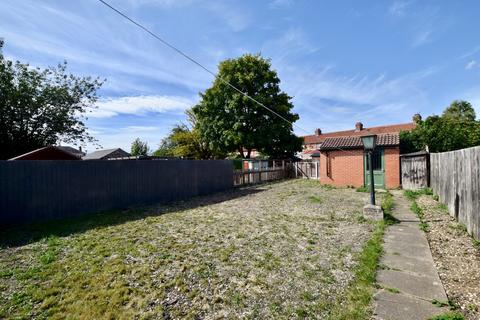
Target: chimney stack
pixel 358 126
pixel 318 131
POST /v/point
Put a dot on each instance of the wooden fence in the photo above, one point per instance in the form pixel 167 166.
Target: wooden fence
pixel 415 170
pixel 455 178
pixel 279 170
pixel 307 169
pixel 42 190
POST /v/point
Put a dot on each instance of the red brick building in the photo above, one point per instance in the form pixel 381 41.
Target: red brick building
pixel 343 161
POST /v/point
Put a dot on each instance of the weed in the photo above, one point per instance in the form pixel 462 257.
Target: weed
pixel 392 290
pixel 315 199
pixel 448 316
pixel 363 189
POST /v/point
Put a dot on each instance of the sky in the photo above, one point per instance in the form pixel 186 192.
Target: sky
pixel 378 62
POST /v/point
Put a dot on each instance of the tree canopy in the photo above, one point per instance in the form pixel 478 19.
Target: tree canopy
pixel 229 121
pixel 139 148
pixel 186 142
pixel 456 128
pixel 42 107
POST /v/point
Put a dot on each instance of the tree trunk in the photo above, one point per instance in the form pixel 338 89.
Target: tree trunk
pixel 240 150
pixel 248 153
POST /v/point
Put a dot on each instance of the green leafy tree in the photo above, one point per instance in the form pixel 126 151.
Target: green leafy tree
pixel 139 148
pixel 230 121
pixel 42 107
pixel 457 128
pixel 186 142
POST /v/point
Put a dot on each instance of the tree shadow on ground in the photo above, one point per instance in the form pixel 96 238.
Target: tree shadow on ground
pixel 13 236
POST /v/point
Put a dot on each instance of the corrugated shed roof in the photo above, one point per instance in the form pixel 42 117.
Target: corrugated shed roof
pixel 394 128
pixel 355 142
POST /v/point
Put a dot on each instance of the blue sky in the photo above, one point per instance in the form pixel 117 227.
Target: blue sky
pixel 378 62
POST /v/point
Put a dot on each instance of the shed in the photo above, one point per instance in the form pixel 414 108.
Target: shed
pixel 415 170
pixel 107 154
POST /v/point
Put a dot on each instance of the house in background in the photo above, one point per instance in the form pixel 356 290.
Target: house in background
pixel 77 152
pixel 51 153
pixel 343 161
pixel 107 154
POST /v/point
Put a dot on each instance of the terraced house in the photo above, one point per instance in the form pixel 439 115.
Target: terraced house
pixel 343 161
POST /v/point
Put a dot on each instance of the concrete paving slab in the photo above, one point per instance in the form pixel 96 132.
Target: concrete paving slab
pixel 392 306
pixel 427 286
pixel 409 264
pixel 409 268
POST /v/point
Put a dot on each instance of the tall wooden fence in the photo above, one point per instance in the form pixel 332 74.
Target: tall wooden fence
pixel 41 190
pixel 455 178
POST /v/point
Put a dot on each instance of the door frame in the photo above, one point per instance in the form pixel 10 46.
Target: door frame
pixel 382 157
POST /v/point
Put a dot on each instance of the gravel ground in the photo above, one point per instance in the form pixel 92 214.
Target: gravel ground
pixel 456 257
pixel 278 251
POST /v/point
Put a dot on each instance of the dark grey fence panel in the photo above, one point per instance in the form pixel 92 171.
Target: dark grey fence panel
pixel 42 190
pixel 455 177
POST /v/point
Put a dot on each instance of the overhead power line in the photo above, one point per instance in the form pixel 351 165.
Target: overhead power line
pixel 186 56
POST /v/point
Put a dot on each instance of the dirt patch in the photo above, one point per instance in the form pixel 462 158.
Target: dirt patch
pixel 456 256
pixel 282 250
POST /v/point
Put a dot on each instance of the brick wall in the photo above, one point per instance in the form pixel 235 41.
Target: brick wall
pixel 392 167
pixel 346 168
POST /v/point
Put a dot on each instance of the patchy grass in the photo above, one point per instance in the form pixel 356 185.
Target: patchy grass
pixel 363 189
pixel 449 316
pixel 258 252
pixel 357 304
pixel 413 196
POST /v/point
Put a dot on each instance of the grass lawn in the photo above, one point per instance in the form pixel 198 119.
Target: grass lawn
pixel 282 250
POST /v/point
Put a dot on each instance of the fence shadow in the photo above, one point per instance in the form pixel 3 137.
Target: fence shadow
pixel 13 236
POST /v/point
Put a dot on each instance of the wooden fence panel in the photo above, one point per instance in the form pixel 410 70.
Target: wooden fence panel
pixel 455 178
pixel 415 172
pixel 307 169
pixel 42 190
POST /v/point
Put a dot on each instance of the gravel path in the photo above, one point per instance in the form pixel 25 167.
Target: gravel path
pixel 456 257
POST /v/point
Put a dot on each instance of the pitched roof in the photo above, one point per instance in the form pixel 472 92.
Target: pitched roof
pixel 101 154
pixel 394 128
pixel 47 153
pixel 355 142
pixel 72 150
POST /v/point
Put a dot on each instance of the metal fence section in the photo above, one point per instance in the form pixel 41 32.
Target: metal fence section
pixel 42 190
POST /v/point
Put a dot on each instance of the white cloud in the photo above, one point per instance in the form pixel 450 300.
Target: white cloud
pixel 422 37
pixel 398 8
pixel 140 105
pixel 471 65
pixel 122 137
pixel 281 3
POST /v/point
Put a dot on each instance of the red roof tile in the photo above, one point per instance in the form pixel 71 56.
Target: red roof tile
pixel 354 142
pixel 395 128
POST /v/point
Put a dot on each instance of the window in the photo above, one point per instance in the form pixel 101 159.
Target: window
pixel 377 160
pixel 329 165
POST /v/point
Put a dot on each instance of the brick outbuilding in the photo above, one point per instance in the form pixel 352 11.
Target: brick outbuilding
pixel 343 161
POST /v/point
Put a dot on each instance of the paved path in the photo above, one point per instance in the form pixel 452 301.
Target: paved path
pixel 408 267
